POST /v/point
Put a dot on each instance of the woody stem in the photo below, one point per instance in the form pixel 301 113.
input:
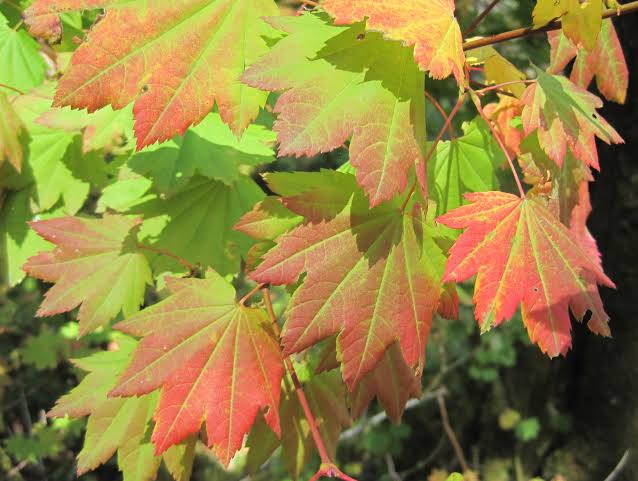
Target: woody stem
pixel 555 25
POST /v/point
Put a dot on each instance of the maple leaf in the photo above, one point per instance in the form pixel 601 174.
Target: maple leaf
pixel 606 62
pixel 196 223
pixel 372 276
pixel 107 129
pixel 268 220
pixel 429 25
pixel 565 116
pixel 25 68
pixel 95 264
pixel 581 21
pixel 503 113
pixel 117 424
pixel 161 55
pixel 392 382
pixel 53 166
pixel 497 69
pixel 10 128
pixel 341 82
pixel 466 164
pixel 522 254
pixel 215 361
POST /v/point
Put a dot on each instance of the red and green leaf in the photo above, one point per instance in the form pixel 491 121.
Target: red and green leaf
pixel 429 25
pixel 565 115
pixel 522 254
pixel 171 59
pixel 96 265
pixel 372 276
pixel 216 362
pixel 342 83
pixel 606 62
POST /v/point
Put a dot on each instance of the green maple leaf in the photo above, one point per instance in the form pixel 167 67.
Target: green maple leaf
pixel 117 424
pixel 10 129
pixel 196 223
pixel 17 241
pixel 96 264
pixel 209 149
pixel 45 350
pixel 23 67
pixel 176 57
pixel 53 166
pixel 105 129
pixel 466 164
pixel 340 83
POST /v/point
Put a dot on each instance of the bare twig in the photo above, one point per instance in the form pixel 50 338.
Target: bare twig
pixel 477 21
pixel 392 470
pixel 624 460
pixel 451 435
pixel 527 31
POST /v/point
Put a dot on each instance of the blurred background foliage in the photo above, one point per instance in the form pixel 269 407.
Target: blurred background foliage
pixel 514 414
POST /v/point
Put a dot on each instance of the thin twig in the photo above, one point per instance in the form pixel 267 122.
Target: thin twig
pixel 500 142
pixel 448 121
pixel 328 468
pixel 392 469
pixel 556 25
pixel 440 109
pixel 179 259
pixel 477 21
pixel 243 300
pixel 489 88
pixel 451 435
pixel 620 466
pixel 12 88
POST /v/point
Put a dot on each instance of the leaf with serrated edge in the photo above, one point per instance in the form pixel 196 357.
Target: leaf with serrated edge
pixel 24 67
pixel 606 62
pixel 94 264
pixel 429 25
pixel 522 254
pixel 565 116
pixel 215 362
pixel 465 164
pixel 340 82
pixel 373 276
pixel 10 128
pixel 171 58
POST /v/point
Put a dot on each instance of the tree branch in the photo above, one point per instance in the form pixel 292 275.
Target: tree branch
pixel 555 25
pixel 451 435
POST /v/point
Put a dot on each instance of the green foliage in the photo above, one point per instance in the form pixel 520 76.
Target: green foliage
pixel 139 150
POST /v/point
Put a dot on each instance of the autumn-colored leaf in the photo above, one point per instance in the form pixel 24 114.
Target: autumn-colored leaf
pixel 522 254
pixel 606 62
pixel 565 116
pixel 171 58
pixel 392 382
pixel 116 424
pixel 340 82
pixel 503 113
pixel 10 128
pixel 498 70
pixel 215 361
pixel 96 264
pixel 581 21
pixel 429 25
pixel 372 276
